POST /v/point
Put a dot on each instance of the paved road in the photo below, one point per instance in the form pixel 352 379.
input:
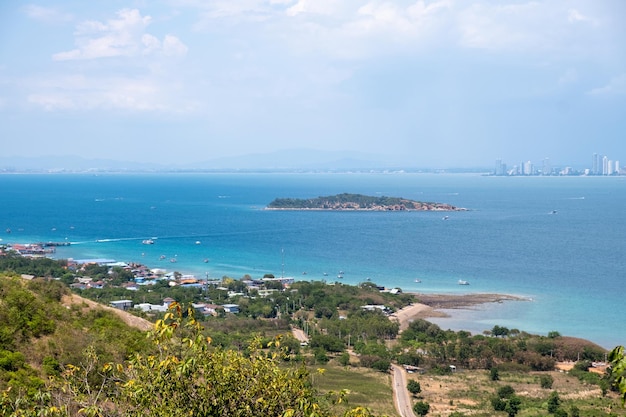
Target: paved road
pixel 401 396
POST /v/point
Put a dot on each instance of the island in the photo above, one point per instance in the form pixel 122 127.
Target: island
pixel 348 201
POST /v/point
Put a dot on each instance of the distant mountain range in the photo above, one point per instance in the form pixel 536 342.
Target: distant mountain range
pixel 286 160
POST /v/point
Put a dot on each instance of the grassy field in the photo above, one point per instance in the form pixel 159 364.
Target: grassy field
pixel 367 387
pixel 468 392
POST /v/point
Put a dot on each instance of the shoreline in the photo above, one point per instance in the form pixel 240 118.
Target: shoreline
pixel 431 305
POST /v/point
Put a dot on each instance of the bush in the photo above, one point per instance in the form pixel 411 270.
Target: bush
pixel 421 408
pixel 414 387
pixel 546 381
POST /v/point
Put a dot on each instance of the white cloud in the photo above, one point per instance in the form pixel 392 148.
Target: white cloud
pixel 47 14
pixel 616 86
pixel 574 16
pixel 124 36
pixel 109 93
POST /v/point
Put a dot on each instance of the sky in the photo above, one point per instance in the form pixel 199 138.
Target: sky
pixel 441 83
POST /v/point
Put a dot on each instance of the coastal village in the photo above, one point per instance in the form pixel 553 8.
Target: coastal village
pixel 353 330
pixel 141 275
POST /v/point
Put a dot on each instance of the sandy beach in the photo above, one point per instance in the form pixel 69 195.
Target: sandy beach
pixel 430 305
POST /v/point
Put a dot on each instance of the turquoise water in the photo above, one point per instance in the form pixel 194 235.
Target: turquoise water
pixel 572 263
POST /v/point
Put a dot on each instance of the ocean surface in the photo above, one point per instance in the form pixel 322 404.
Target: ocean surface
pixel 570 264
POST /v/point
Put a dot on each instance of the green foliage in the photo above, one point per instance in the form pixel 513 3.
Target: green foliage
pixel 554 401
pixel 414 387
pixel 506 400
pixel 185 376
pixel 618 370
pixel 421 408
pixel 344 201
pixel 546 381
pixel 513 406
pixel 344 359
pixel 499 331
pixel 494 375
pixel 39 267
pixel 506 391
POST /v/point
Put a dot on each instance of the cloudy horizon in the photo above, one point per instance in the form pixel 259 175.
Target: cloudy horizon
pixel 431 83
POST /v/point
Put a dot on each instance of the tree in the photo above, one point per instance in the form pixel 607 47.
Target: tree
pixel 618 370
pixel 554 401
pixel 499 331
pixel 513 406
pixel 185 376
pixel 414 387
pixel 421 408
pixel 494 375
pixel 506 400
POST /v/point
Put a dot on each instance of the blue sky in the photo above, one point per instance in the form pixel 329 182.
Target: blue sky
pixel 425 83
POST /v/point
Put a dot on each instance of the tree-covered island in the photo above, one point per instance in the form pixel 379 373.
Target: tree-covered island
pixel 347 201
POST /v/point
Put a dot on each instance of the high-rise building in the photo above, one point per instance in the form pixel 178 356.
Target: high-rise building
pixel 527 168
pixel 595 163
pixel 546 169
pixel 605 165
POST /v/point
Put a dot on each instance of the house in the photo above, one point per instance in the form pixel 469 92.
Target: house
pixel 231 308
pixel 122 304
pixel 146 307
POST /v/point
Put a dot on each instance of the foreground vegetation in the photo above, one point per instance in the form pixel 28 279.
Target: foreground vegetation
pixel 60 358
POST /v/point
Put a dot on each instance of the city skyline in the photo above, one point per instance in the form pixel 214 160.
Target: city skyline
pixel 600 165
pixel 421 83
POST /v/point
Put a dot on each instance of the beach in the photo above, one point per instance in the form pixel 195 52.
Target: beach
pixel 431 305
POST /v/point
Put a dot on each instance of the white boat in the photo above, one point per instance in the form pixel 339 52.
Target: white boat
pixel 148 242
pixel 463 282
pixel 198 242
pixel 418 281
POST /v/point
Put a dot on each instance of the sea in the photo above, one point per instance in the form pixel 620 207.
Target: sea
pixel 557 242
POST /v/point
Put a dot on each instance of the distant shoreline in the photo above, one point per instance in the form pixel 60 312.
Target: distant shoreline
pixel 430 305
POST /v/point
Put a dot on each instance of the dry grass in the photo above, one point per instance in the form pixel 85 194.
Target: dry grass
pixel 469 392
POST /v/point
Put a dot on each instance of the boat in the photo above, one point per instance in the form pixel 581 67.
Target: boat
pixel 553 212
pixel 206 260
pixel 445 217
pixel 340 276
pixel 162 257
pixel 463 282
pixel 198 242
pixel 148 242
pixel 418 281
pixel 173 260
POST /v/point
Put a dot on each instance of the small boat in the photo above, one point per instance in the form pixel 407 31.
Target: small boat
pixel 325 274
pixel 418 281
pixel 340 276
pixel 162 257
pixel 445 217
pixel 198 242
pixel 173 260
pixel 553 212
pixel 8 230
pixel 463 282
pixel 148 242
pixel 206 260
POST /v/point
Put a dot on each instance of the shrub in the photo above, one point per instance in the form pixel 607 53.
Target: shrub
pixel 421 408
pixel 546 381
